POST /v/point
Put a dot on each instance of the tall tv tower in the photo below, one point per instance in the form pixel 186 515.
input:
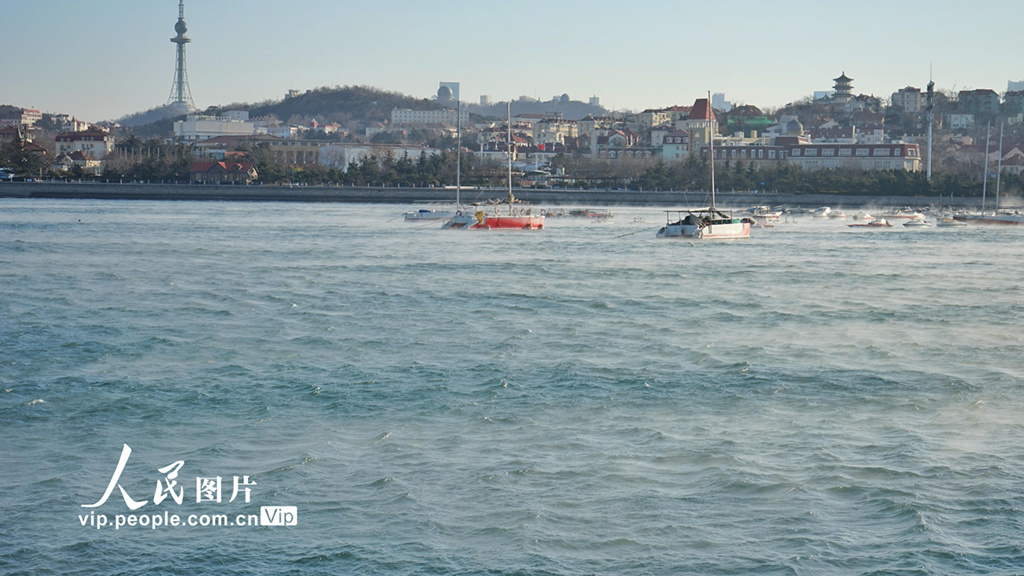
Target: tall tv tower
pixel 181 94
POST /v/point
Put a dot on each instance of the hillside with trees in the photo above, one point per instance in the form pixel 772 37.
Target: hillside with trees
pixel 344 105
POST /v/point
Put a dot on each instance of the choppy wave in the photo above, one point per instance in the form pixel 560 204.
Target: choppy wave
pixel 583 400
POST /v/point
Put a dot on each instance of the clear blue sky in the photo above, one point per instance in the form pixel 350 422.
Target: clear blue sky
pixel 102 60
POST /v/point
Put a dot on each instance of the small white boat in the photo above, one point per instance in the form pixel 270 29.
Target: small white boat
pixel 429 215
pixel 880 223
pixel 765 215
pixel 904 214
pixel 917 223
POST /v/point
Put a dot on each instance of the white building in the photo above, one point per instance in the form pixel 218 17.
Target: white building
pixel 194 127
pixel 860 156
pixel 675 145
pixel 94 143
pixel 909 99
pixel 443 117
pixel 554 131
pixel 960 121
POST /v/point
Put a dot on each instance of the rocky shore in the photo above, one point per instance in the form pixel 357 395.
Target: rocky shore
pixel 382 195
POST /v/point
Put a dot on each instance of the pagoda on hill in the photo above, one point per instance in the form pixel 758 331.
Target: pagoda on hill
pixel 843 89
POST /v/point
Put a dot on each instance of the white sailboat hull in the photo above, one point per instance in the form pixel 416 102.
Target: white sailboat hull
pixel 737 228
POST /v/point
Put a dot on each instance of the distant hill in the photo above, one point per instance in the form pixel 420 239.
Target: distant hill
pixel 342 105
pixel 153 115
pixel 349 106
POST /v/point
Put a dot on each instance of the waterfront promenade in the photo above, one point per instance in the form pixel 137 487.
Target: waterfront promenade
pixel 407 195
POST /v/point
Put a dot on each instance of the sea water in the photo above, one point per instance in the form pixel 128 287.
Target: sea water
pixel 335 391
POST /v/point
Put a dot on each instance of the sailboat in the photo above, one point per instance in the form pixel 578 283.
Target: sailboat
pixel 705 223
pixel 501 216
pixel 997 217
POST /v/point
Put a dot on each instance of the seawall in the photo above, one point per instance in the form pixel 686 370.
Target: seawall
pixel 406 195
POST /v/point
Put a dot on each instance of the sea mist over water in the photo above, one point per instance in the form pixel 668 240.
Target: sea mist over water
pixel 582 400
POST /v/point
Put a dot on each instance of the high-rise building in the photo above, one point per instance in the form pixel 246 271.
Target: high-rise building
pixel 181 94
pixel 718 102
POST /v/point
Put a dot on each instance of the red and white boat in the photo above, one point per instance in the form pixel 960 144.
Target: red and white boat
pixel 500 216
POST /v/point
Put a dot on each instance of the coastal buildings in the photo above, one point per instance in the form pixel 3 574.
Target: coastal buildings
pixel 909 100
pixel 983 101
pixel 442 117
pixel 197 127
pixel 843 131
pixel 20 117
pixel 95 143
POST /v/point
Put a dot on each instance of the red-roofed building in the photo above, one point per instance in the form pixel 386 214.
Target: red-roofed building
pixel 223 173
pixel 702 110
pixel 700 124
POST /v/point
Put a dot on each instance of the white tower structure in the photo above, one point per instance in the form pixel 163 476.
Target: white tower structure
pixel 181 94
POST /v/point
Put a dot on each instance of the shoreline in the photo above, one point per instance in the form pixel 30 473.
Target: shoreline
pixel 404 195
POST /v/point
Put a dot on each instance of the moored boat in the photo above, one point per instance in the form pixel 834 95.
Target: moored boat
pixel 880 223
pixel 1005 218
pixel 593 213
pixel 705 223
pixel 428 215
pixel 501 216
pixel 903 214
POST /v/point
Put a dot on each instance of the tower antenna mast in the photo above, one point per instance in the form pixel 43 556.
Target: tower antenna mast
pixel 181 94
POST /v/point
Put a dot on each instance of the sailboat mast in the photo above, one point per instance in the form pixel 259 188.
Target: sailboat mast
pixel 458 153
pixel 984 179
pixel 711 150
pixel 509 146
pixel 999 164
